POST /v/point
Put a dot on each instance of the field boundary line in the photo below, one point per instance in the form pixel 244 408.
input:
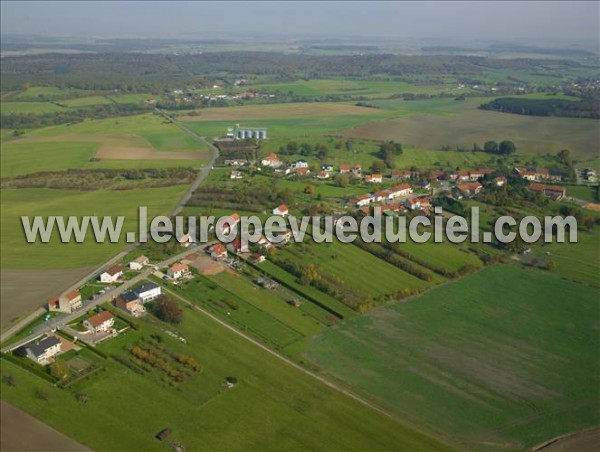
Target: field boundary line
pixel 312 374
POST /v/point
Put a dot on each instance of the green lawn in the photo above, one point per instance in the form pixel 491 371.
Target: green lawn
pixel 356 269
pixel 79 102
pixel 48 92
pixel 29 107
pixel 18 254
pixel 273 406
pixel 506 358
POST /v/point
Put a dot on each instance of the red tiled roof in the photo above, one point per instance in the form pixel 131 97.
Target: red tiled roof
pixel 72 295
pixel 178 267
pixel 114 270
pixel 219 248
pixel 271 156
pixel 282 208
pixel 99 319
pixel 543 187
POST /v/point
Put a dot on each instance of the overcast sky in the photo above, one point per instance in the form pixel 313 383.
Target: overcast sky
pixel 557 21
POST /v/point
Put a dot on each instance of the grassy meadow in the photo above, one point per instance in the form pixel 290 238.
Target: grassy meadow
pixel 18 254
pixel 505 358
pixel 273 407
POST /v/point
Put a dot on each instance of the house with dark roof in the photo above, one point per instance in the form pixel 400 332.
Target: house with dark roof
pixel 147 292
pixel 43 351
pixel 130 302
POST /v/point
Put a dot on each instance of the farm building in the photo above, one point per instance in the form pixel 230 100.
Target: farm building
pixel 241 133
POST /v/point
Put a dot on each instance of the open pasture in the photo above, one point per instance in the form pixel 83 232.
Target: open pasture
pixel 273 406
pixel 465 124
pixel 18 254
pixel 8 108
pixel 505 358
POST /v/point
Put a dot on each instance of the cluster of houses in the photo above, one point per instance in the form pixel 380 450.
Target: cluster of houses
pixel 179 96
pixel 537 174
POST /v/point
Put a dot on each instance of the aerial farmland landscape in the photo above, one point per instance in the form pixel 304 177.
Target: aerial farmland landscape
pixel 300 226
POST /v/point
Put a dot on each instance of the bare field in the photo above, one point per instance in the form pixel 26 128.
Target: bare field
pixel 122 147
pixel 25 290
pixel 22 432
pixel 584 441
pixel 531 134
pixel 280 111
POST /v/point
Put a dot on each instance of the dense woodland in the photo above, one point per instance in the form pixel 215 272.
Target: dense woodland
pixel 588 107
pixel 134 72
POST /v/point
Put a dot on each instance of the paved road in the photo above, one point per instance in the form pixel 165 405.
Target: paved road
pixel 204 171
pixel 202 174
pixel 61 320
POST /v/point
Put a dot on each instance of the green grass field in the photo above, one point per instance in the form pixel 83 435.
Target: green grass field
pixel 48 92
pixel 18 254
pixel 29 107
pixel 357 269
pixel 85 101
pixel 506 358
pixel 431 124
pixel 273 406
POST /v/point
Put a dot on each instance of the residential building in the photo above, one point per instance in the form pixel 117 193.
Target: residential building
pixel 178 270
pixel 374 178
pixel 147 292
pixel 323 175
pixel 236 175
pixel 112 274
pixel 357 170
pixel 129 302
pixel 69 302
pixel 138 263
pixel 100 323
pixel 238 246
pixel 271 160
pixel 500 181
pixel 302 172
pixel 218 251
pixel 257 258
pixel 552 191
pixel 344 169
pixel 43 351
pixel 281 210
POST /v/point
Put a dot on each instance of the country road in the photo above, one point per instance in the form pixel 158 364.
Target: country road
pixel 62 320
pixel 202 174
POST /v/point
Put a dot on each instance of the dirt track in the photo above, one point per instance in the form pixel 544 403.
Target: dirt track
pixel 586 440
pixel 22 432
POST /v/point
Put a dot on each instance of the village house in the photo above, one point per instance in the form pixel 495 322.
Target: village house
pixel 362 200
pixel 257 258
pixel 479 173
pixel 301 172
pixel 537 174
pixel 357 170
pixel 235 174
pixel 67 303
pixel 344 169
pixel 398 191
pixel 281 210
pixel 185 240
pixel 178 270
pixel 271 160
pixel 462 176
pixel 555 192
pixel 327 167
pixel 230 222
pixel 414 203
pixel 400 174
pixel 43 351
pixel 423 184
pixel 235 162
pixel 130 303
pixel 264 242
pixel 138 263
pixel 100 323
pixel 500 181
pixel 218 251
pixel 112 274
pixel 299 164
pixel 323 175
pixel 285 170
pixel 470 188
pixel 147 292
pixel 374 178
pixel 237 246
